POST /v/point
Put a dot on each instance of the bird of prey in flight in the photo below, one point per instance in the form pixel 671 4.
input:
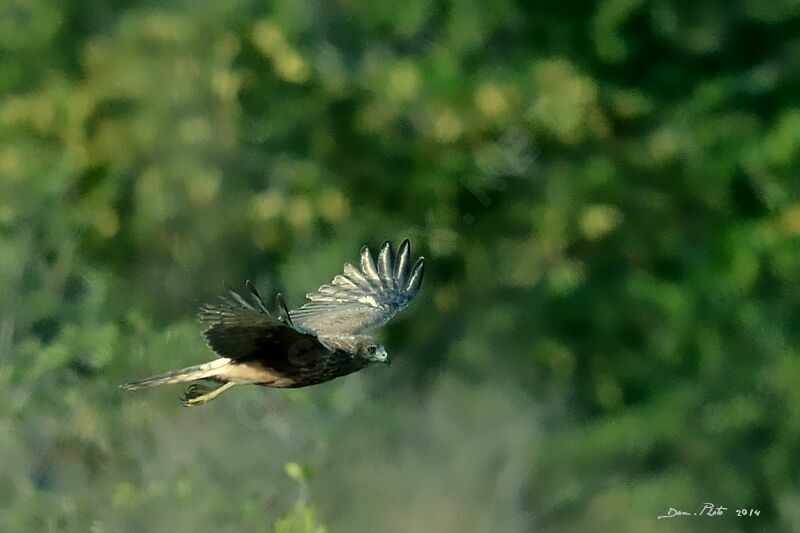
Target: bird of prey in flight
pixel 322 340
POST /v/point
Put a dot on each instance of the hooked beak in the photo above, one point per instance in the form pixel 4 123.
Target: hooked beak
pixel 381 357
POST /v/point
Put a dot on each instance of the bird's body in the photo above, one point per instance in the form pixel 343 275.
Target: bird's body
pixel 320 341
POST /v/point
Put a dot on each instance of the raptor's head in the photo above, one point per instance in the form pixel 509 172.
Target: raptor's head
pixel 371 350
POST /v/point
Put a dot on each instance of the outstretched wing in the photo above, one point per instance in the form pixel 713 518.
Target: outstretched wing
pixel 241 331
pixel 359 300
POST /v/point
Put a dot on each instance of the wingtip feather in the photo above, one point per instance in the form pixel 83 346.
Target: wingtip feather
pixel 368 266
pixel 414 283
pixel 385 260
pixel 256 296
pixel 402 262
pixel 283 310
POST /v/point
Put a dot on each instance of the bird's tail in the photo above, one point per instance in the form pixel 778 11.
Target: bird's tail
pixel 191 373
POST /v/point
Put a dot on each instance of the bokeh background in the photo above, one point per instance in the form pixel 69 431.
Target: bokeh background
pixel 607 194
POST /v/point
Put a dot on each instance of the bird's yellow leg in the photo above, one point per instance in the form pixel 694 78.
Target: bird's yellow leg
pixel 192 396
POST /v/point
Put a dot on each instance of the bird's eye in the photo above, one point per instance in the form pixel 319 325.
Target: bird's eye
pixel 372 350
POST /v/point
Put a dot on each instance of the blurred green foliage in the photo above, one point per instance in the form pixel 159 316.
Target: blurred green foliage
pixel 607 193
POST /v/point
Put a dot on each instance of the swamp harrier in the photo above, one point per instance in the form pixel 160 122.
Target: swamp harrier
pixel 322 340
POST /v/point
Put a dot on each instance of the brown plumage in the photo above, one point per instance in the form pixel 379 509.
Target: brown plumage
pixel 320 341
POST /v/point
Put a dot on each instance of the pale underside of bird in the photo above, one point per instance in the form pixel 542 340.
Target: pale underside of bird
pixel 324 339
